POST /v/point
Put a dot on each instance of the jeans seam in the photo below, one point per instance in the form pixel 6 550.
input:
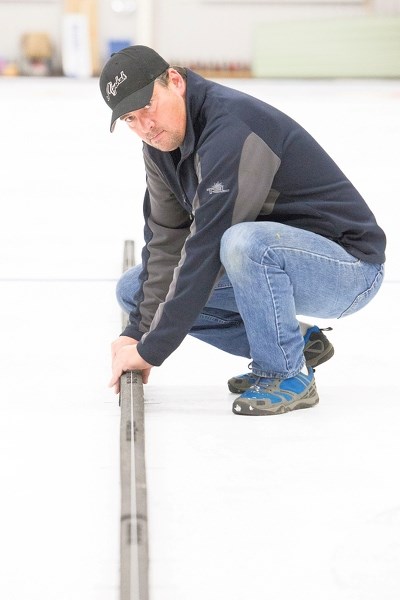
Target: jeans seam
pixel 218 320
pixel 315 254
pixel 366 293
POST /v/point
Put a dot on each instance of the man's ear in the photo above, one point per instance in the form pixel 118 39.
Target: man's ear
pixel 177 81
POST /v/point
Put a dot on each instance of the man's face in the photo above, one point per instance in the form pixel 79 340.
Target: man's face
pixel 162 122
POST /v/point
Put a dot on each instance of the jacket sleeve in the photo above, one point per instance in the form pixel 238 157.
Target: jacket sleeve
pixel 234 181
pixel 167 226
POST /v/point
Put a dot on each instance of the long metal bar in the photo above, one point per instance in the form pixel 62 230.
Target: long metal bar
pixel 134 548
pixel 129 255
pixel 134 531
pixel 128 261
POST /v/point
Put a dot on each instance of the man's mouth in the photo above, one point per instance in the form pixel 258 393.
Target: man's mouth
pixel 153 139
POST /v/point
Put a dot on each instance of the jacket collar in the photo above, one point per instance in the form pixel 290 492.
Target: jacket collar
pixel 196 89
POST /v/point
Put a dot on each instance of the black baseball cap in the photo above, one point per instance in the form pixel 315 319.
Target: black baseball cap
pixel 127 79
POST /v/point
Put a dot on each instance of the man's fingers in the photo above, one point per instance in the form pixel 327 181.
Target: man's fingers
pixel 115 385
pixel 116 374
pixel 127 358
pixel 145 375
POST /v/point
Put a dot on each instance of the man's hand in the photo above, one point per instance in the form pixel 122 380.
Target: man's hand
pixel 125 357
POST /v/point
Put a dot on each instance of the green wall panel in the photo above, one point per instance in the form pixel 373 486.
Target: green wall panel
pixel 352 47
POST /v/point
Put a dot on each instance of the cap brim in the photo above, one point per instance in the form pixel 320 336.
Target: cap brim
pixel 135 101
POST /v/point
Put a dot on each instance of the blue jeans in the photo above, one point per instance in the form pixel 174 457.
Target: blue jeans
pixel 273 273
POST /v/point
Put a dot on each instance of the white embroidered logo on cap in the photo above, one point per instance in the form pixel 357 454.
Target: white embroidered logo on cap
pixel 111 88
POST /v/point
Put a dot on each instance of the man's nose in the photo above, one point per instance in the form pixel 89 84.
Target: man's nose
pixel 145 123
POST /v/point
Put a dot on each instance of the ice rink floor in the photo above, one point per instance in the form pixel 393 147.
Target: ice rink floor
pixel 305 505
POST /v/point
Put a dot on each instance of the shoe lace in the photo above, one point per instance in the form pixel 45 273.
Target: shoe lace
pixel 259 388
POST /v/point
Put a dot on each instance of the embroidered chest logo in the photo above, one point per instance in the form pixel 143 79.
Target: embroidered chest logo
pixel 217 188
pixel 111 89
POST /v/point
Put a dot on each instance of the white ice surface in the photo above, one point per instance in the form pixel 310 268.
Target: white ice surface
pixel 303 506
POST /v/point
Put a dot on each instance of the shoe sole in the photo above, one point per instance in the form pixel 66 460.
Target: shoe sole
pixel 236 390
pixel 254 407
pixel 319 358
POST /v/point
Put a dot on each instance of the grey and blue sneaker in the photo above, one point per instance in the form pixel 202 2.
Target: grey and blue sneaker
pixel 277 396
pixel 317 350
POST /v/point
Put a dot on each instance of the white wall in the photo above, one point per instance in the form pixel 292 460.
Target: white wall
pixel 182 30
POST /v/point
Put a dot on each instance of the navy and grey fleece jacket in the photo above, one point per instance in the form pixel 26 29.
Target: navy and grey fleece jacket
pixel 241 160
